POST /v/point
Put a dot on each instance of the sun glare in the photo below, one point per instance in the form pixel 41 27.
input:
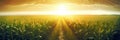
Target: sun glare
pixel 62 9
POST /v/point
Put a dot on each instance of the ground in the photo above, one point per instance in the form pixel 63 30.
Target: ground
pixel 51 27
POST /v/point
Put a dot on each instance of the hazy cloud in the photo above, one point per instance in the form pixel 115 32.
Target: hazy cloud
pixel 5 4
pixel 17 2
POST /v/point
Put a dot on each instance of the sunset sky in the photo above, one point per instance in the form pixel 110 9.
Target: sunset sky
pixel 48 5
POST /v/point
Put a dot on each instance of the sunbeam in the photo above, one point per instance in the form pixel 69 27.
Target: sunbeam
pixel 62 31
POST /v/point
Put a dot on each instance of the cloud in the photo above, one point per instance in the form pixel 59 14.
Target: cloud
pixel 110 2
pixel 17 2
pixel 14 2
pixel 6 4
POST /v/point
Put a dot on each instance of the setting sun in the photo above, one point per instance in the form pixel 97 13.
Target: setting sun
pixel 62 9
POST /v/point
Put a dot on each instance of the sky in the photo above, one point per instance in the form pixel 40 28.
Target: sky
pixel 44 5
pixel 7 4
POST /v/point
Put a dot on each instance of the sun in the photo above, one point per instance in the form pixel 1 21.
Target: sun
pixel 62 9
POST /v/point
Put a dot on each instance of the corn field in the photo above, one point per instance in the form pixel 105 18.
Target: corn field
pixel 46 27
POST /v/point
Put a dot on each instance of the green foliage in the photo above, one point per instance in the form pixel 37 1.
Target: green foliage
pixel 40 28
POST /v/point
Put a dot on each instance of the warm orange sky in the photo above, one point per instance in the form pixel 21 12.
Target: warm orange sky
pixel 23 5
pixel 17 2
